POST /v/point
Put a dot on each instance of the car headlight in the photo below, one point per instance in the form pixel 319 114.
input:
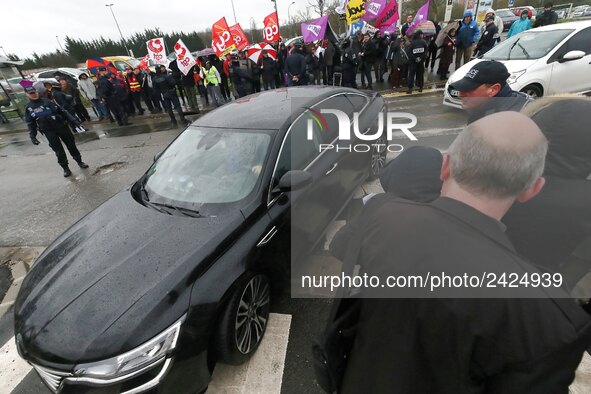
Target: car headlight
pixel 140 358
pixel 515 76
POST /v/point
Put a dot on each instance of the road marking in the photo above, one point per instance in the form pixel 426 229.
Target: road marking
pixel 263 373
pixel 13 367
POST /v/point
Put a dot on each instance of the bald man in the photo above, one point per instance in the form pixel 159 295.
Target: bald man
pixel 454 338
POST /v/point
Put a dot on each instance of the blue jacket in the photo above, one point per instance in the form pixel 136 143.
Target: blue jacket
pixel 467 35
pixel 518 26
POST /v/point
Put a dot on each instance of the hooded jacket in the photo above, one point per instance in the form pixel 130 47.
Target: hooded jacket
pixel 522 24
pixel 87 88
pixel 468 33
pixel 498 21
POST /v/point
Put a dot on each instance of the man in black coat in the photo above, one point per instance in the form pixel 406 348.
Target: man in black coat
pixel 349 65
pixel 548 17
pixel 484 91
pixel 417 52
pixel 295 67
pixel 554 229
pixel 367 60
pixel 42 115
pixel 111 97
pixel 269 69
pixel 489 37
pixel 456 340
pixel 165 85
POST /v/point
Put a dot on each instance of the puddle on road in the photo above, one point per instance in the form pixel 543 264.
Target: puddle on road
pixel 108 168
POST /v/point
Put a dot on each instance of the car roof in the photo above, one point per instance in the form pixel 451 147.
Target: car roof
pixel 269 110
pixel 568 25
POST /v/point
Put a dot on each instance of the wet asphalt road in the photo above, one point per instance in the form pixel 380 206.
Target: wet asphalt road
pixel 37 204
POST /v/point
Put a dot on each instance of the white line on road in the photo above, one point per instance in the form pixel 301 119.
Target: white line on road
pixel 13 368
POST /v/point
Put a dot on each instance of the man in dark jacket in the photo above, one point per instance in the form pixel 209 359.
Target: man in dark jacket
pixel 489 38
pixel 527 340
pixel 70 89
pixel 149 94
pixel 484 90
pixel 269 69
pixel 111 97
pixel 404 28
pixel 295 67
pixel 548 17
pixel 554 229
pixel 188 83
pixel 466 38
pixel 329 55
pixel 367 61
pixel 165 85
pixel 349 65
pixel 417 52
pixel 240 77
pixel 45 117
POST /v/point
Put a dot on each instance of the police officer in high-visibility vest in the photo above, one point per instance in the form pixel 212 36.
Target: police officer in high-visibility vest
pixel 212 80
pixel 43 115
pixel 165 85
pixel 133 80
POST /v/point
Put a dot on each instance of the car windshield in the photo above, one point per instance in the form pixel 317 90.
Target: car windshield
pixel 528 45
pixel 207 166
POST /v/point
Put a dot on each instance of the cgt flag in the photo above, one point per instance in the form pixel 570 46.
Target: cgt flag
pixel 239 37
pixel 421 16
pixel 355 10
pixel 221 38
pixel 271 30
pixel 156 51
pixel 388 16
pixel 315 30
pixel 373 8
pixel 144 63
pixel 184 58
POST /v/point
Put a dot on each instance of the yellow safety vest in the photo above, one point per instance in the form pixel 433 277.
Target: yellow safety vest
pixel 210 77
pixel 134 85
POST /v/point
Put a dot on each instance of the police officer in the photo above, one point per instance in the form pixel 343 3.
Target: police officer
pixel 417 53
pixel 111 97
pixel 43 115
pixel 349 65
pixel 165 85
pixel 489 37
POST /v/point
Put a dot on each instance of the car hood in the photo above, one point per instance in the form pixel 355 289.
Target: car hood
pixel 512 66
pixel 113 280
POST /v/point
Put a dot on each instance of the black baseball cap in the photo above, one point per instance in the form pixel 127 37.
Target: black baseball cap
pixel 30 89
pixel 490 18
pixel 484 72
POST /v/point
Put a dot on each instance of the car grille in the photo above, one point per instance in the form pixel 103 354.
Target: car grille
pixel 50 377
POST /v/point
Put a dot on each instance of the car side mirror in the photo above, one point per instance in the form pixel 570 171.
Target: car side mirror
pixel 294 180
pixel 572 55
pixel 157 156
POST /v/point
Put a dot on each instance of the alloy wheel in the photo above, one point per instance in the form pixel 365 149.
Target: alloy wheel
pixel 252 314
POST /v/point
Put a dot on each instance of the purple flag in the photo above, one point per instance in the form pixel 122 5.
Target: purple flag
pixel 388 16
pixel 373 8
pixel 388 29
pixel 314 30
pixel 421 16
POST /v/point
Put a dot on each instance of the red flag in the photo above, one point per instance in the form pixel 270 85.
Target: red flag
pixel 221 38
pixel 239 37
pixel 271 29
pixel 388 17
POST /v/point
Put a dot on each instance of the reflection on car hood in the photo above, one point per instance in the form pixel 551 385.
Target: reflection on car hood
pixel 113 280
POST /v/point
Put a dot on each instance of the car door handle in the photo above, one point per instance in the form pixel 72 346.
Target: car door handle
pixel 267 237
pixel 334 166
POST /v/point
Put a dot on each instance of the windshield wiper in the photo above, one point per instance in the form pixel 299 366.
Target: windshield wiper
pixel 511 49
pixel 184 211
pixel 524 51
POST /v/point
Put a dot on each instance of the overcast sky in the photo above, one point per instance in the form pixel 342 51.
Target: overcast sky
pixel 31 25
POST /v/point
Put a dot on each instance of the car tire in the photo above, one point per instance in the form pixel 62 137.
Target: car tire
pixel 534 91
pixel 244 320
pixel 378 158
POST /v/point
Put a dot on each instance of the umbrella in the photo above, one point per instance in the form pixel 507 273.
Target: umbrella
pixel 205 52
pixel 254 52
pixel 427 27
pixel 444 32
pixel 94 63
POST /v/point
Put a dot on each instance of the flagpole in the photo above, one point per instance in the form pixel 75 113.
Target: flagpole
pixel 234 11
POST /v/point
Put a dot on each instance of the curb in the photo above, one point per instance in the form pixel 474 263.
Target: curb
pixel 19 269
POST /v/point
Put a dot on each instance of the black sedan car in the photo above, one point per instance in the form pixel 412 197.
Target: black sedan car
pixel 508 18
pixel 150 289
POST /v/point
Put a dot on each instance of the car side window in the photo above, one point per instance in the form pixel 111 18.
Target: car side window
pixel 330 130
pixel 47 74
pixel 298 151
pixel 579 42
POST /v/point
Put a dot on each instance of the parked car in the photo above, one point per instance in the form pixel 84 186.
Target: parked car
pixel 120 62
pixel 587 11
pixel 294 41
pixel 543 61
pixel 580 11
pixel 153 287
pixel 71 74
pixel 507 16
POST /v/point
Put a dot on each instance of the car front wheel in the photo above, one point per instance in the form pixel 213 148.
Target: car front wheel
pixel 533 90
pixel 244 320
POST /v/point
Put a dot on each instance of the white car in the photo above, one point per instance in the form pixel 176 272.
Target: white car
pixel 543 61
